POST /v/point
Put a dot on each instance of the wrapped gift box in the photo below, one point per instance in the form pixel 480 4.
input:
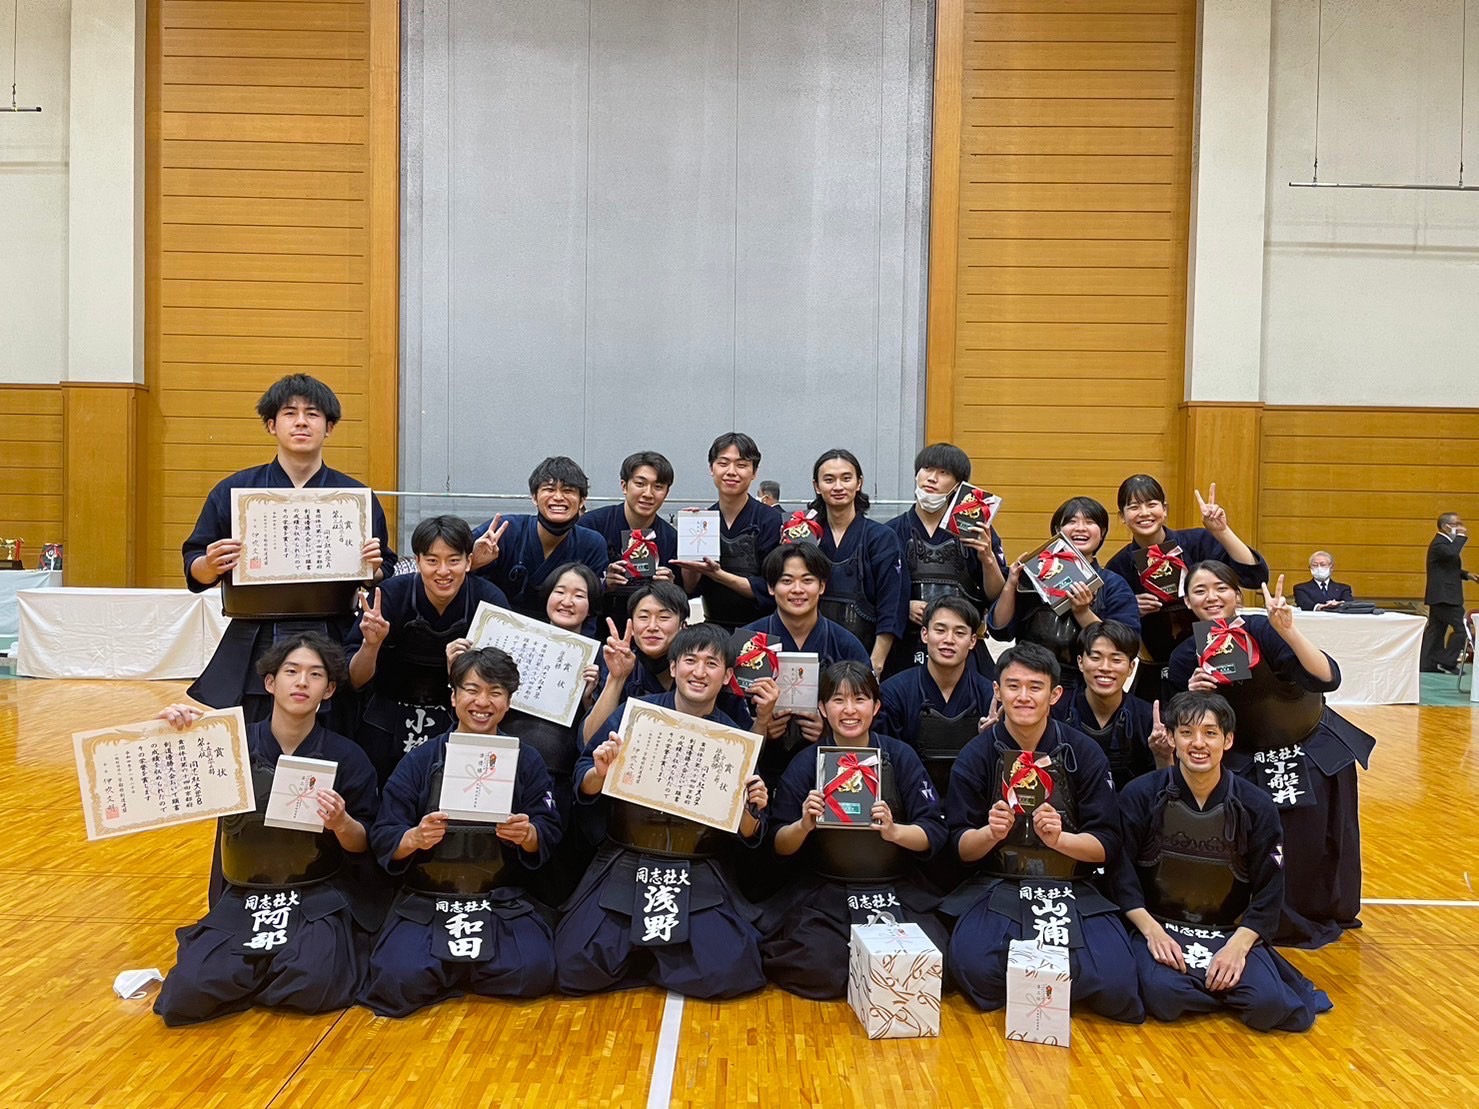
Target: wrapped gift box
pixel 893 980
pixel 1038 986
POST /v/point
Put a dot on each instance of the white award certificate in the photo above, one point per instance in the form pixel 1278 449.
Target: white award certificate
pixel 135 777
pixel 683 765
pixel 550 660
pixel 297 535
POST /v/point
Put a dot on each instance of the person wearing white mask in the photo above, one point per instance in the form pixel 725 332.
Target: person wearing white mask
pixel 1322 590
pixel 937 563
pixel 1444 596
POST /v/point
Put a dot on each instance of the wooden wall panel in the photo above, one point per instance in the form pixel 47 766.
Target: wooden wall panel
pixel 1367 484
pixel 31 465
pixel 273 152
pixel 1059 216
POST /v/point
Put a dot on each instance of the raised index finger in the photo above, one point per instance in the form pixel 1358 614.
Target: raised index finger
pixel 375 608
pixel 1201 503
pixel 1267 600
pixel 611 627
pixel 1279 589
pixel 1155 713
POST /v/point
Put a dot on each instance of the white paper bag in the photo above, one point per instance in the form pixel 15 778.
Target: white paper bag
pixel 1038 988
pixel 893 980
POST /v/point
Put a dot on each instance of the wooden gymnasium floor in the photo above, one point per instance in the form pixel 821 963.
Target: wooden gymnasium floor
pixel 73 914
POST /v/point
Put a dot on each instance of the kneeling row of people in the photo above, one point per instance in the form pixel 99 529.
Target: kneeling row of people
pixel 1191 855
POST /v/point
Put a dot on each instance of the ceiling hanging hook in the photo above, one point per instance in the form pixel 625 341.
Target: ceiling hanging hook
pixel 15 25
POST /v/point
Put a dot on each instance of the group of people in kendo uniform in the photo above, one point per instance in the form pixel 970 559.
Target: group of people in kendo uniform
pixel 1029 797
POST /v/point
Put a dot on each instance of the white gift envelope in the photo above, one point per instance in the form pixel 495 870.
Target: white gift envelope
pixel 698 536
pixel 798 674
pixel 478 777
pixel 293 803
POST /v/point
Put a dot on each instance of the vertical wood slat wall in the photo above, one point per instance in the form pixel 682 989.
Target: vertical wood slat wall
pixel 31 467
pixel 1059 209
pixel 272 246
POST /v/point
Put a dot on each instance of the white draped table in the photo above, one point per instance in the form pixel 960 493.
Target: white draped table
pixel 1378 655
pixel 117 633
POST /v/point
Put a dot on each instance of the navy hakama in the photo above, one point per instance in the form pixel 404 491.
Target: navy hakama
pixel 1304 754
pixel 1233 869
pixel 1049 897
pixel 291 931
pixel 807 925
pixel 595 945
pixel 469 887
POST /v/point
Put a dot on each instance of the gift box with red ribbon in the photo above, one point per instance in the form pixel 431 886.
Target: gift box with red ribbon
pixel 970 511
pixel 1055 568
pixel 1227 649
pixel 847 778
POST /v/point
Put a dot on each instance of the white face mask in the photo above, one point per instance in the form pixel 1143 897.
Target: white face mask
pixel 1320 573
pixel 930 502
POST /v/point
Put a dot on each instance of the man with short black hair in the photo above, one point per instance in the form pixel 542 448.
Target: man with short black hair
pixel 305 952
pixel 1127 729
pixel 1033 812
pixel 464 921
pixel 939 707
pixel 398 650
pixel 518 553
pixel 1444 596
pixel 1201 878
pixel 733 589
pixel 646 478
pixel 594 946
pixel 796 576
pixel 300 412
pixel 937 562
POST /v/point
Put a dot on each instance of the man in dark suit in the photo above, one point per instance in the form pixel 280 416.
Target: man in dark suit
pixel 1445 596
pixel 1321 591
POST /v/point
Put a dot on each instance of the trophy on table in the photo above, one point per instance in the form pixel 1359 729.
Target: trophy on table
pixel 10 554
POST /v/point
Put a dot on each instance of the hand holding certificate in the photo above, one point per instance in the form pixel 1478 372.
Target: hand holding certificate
pixel 478 777
pixel 550 660
pixel 135 777
pixel 294 801
pixel 301 535
pixel 682 765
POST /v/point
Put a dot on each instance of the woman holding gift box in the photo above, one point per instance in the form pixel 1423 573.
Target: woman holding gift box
pixel 1202 881
pixel 1020 614
pixel 1032 811
pixel 850 871
pixel 1291 744
pixel 865 590
pixel 1154 561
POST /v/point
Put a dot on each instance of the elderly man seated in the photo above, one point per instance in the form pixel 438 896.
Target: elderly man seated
pixel 1321 591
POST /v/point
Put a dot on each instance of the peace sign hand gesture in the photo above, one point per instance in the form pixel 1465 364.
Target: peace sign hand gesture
pixel 993 714
pixel 617 653
pixel 485 550
pixel 1214 516
pixel 373 626
pixel 1280 615
pixel 1162 746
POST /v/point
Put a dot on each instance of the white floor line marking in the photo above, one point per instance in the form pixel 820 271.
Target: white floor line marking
pixel 665 1062
pixel 1419 903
